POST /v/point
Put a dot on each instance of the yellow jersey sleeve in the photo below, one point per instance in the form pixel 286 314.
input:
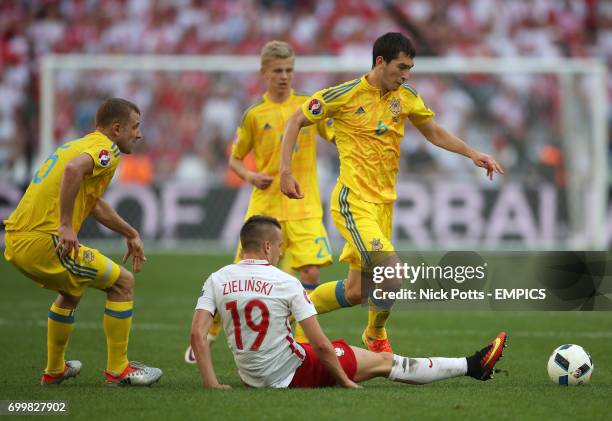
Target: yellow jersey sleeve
pixel 419 112
pixel 325 103
pixel 325 128
pixel 105 157
pixel 245 139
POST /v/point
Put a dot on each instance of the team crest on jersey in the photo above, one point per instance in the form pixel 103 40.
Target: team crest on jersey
pixel 315 107
pixel 339 352
pixel 104 157
pixel 377 245
pixel 88 256
pixel 395 106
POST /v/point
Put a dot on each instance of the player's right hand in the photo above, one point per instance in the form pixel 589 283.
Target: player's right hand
pixel 68 242
pixel 260 180
pixel 290 187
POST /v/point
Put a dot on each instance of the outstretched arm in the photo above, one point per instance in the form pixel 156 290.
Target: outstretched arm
pixel 289 185
pixel 439 136
pixel 72 179
pixel 202 320
pixel 325 351
pixel 107 216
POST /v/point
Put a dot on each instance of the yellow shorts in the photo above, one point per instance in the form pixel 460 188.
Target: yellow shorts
pixel 33 253
pixel 305 242
pixel 365 226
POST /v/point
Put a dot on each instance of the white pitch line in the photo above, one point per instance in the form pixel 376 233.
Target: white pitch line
pixel 334 332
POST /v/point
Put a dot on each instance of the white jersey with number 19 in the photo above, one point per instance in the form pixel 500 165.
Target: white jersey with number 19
pixel 255 300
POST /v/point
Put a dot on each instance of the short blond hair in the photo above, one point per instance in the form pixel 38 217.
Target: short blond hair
pixel 275 50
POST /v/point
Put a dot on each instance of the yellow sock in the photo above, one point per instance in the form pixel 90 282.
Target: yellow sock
pixel 377 319
pixel 327 297
pixel 59 327
pixel 117 325
pixel 216 326
pixel 299 334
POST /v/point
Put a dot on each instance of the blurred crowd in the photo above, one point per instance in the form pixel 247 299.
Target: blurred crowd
pixel 189 118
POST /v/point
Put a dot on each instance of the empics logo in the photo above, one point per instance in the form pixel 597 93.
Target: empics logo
pixel 104 157
pixel 315 107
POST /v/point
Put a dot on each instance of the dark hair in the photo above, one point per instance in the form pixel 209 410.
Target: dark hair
pixel 256 229
pixel 389 45
pixel 115 110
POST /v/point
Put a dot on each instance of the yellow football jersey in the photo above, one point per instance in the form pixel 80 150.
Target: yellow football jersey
pixel 38 209
pixel 369 128
pixel 261 130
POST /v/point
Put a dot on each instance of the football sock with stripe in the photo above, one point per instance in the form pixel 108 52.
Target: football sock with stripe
pixel 426 370
pixel 59 327
pixel 215 328
pixel 377 320
pixel 117 325
pixel 327 297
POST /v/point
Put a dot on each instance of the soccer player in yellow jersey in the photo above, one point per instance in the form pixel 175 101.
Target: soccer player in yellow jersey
pixel 369 116
pixel 305 243
pixel 41 241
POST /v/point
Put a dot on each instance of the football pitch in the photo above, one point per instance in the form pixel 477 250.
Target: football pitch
pixel 166 293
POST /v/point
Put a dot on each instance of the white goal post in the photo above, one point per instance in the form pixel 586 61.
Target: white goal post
pixel 566 70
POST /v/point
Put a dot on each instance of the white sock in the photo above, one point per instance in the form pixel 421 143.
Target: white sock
pixel 426 370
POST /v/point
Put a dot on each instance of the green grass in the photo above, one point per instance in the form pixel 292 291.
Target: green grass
pixel 166 293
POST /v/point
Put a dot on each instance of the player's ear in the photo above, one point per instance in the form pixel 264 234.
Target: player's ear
pixel 116 128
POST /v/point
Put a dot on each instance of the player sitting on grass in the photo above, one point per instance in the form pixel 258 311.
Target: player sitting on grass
pixel 255 301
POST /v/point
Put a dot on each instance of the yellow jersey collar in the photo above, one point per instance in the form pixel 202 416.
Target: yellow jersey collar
pixel 367 85
pixel 98 133
pixel 266 98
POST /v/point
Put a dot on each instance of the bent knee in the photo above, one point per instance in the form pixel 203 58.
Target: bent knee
pixel 124 286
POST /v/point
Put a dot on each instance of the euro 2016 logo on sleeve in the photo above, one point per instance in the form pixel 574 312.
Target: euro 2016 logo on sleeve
pixel 104 157
pixel 315 107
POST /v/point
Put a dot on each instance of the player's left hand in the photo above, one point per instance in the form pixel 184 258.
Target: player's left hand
pixel 485 161
pixel 349 384
pixel 222 386
pixel 67 242
pixel 135 249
